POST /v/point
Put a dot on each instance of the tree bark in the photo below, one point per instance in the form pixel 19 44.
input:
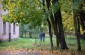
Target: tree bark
pixel 82 19
pixel 77 30
pixel 58 19
pixel 53 21
pixel 9 32
pixel 61 31
pixel 50 33
pixel 58 30
pixel 49 24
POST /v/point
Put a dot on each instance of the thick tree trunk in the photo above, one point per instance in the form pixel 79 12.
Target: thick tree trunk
pixel 53 23
pixel 58 18
pixel 77 30
pixel 60 27
pixel 60 37
pixel 50 33
pixel 55 30
pixel 61 31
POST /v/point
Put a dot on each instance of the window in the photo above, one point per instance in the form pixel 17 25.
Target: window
pixel 14 27
pixel 4 28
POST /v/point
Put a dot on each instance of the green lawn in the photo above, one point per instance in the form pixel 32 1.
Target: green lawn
pixel 26 43
pixel 72 43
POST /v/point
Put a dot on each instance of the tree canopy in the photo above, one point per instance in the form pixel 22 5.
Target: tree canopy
pixel 24 11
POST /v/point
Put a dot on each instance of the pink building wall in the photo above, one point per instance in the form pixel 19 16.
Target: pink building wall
pixel 6 36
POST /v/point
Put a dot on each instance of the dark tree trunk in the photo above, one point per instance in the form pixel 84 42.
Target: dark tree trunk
pixel 77 25
pixel 82 19
pixel 49 23
pixel 48 3
pixel 78 37
pixel 9 32
pixel 53 21
pixel 58 19
pixel 61 31
pixel 58 30
pixel 77 30
pixel 50 33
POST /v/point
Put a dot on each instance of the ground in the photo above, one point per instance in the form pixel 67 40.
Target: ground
pixel 39 52
pixel 27 46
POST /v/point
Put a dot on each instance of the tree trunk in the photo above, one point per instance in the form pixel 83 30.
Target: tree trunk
pixel 61 31
pixel 30 34
pixel 58 18
pixel 50 33
pixel 53 21
pixel 48 3
pixel 49 23
pixel 82 19
pixel 9 32
pixel 60 27
pixel 77 30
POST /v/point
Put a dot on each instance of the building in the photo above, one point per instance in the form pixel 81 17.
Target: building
pixel 7 30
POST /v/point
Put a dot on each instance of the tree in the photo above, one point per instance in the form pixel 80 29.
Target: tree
pixel 52 21
pixel 55 18
pixel 25 11
pixel 49 25
pixel 77 18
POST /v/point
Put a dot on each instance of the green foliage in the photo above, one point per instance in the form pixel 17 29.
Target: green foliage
pixel 25 11
pixel 67 7
pixel 76 4
pixel 70 5
pixel 32 12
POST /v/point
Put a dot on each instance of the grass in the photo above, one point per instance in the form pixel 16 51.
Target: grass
pixel 72 43
pixel 27 43
pixel 24 43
